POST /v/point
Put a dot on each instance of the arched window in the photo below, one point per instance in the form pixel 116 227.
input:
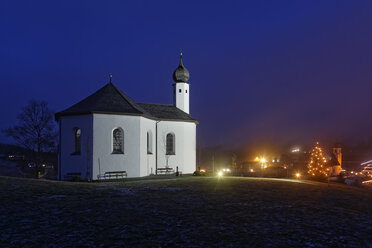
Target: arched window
pixel 117 141
pixel 170 144
pixel 77 136
pixel 149 142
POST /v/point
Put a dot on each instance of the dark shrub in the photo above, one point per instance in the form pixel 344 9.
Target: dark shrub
pixel 196 173
pixel 76 179
pixel 199 173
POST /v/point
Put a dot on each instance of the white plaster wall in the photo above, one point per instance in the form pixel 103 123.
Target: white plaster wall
pixel 103 159
pixel 147 161
pixel 189 163
pixel 76 163
pixel 185 145
pixel 181 99
pixel 96 145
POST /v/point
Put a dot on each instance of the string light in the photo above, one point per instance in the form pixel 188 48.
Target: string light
pixel 316 165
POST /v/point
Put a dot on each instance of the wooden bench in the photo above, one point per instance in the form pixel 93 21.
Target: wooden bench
pixel 165 171
pixel 72 175
pixel 113 174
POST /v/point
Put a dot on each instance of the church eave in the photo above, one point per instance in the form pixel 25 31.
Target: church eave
pixel 60 114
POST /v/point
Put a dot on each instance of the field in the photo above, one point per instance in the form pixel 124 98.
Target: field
pixel 186 212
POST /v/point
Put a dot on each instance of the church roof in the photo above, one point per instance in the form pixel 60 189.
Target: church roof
pixel 165 111
pixel 111 100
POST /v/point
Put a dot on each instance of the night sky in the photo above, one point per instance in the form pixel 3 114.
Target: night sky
pixel 260 71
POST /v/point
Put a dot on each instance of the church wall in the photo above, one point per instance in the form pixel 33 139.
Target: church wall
pixel 147 160
pixel 185 146
pixel 76 163
pixel 189 147
pixel 103 159
pixel 96 145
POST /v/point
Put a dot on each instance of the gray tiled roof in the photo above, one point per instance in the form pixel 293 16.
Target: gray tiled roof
pixel 111 100
pixel 165 111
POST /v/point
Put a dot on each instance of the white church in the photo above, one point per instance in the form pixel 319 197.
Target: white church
pixel 108 133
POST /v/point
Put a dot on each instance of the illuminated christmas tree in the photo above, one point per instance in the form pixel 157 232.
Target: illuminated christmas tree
pixel 317 165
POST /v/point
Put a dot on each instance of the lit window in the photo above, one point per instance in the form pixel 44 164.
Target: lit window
pixel 170 144
pixel 117 141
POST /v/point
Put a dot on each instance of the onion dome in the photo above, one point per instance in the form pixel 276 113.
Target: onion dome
pixel 181 74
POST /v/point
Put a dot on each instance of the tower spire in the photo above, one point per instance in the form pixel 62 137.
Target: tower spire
pixel 181 87
pixel 110 78
pixel 181 63
pixel 181 74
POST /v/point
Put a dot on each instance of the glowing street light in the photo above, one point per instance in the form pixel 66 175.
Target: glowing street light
pixel 263 166
pixel 294 150
pixel 298 175
pixel 220 174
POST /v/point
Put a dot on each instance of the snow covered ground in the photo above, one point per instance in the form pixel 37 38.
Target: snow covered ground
pixel 186 212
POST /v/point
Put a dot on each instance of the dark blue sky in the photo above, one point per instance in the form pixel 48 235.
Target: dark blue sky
pixel 287 71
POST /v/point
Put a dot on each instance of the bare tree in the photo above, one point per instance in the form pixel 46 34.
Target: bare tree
pixel 36 129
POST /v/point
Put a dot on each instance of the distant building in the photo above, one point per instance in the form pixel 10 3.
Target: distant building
pixel 109 132
pixel 367 169
pixel 248 168
pixel 295 161
pixel 335 162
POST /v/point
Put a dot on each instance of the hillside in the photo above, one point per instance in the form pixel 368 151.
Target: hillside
pixel 188 212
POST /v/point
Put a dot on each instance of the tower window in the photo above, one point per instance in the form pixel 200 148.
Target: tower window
pixel 179 90
pixel 186 91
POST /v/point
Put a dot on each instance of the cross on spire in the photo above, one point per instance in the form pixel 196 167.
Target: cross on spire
pixel 181 63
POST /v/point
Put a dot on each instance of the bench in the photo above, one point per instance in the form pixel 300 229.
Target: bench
pixel 164 171
pixel 113 174
pixel 72 175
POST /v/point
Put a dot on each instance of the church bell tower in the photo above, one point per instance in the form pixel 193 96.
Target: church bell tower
pixel 338 154
pixel 181 87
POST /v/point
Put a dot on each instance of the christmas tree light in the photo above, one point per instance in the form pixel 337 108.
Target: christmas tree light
pixel 316 165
